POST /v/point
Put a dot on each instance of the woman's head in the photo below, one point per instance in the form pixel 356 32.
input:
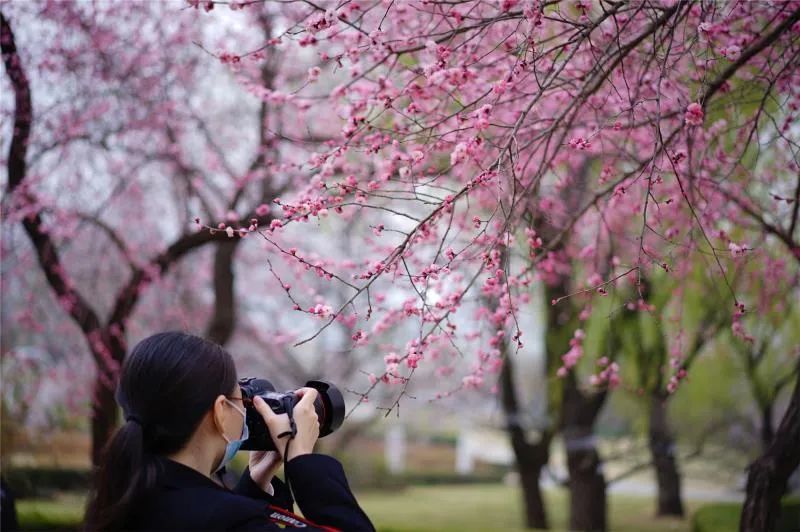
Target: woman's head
pixel 171 383
pixel 178 392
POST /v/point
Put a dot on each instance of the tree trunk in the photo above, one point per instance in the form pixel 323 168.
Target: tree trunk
pixel 662 452
pixel 767 477
pixel 104 416
pixel 108 348
pixel 767 428
pixel 222 324
pixel 587 486
pixel 530 457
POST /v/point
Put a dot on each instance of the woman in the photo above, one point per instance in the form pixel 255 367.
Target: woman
pixel 184 421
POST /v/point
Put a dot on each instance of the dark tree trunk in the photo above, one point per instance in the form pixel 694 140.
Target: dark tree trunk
pixel 587 486
pixel 531 457
pixel 662 452
pixel 108 349
pixel 530 472
pixel 767 427
pixel 223 322
pixel 767 476
pixel 104 416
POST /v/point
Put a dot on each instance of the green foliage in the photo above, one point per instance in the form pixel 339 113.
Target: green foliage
pixel 740 105
pixel 713 396
pixel 26 482
pixel 723 517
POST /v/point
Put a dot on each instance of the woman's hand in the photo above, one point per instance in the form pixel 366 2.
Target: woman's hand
pixel 305 419
pixel 263 466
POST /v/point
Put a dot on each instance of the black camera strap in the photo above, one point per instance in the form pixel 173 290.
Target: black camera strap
pixel 288 406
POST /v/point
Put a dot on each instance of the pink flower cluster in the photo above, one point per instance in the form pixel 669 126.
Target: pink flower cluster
pixel 608 376
pixel 571 357
pixel 694 114
pixel 675 380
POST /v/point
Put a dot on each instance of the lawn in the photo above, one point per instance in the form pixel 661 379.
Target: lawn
pixel 435 508
pixel 496 507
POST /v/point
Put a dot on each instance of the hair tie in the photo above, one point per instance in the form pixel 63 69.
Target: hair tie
pixel 134 419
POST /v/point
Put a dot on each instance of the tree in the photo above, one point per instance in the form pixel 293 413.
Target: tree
pixel 127 84
pixel 681 102
pixel 449 129
pixel 765 346
pixel 657 348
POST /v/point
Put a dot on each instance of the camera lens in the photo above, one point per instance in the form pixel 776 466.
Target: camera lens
pixel 329 406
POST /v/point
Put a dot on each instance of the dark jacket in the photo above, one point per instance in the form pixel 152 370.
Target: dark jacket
pixel 185 499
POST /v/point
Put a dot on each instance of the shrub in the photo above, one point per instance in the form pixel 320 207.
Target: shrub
pixel 724 517
pixel 30 482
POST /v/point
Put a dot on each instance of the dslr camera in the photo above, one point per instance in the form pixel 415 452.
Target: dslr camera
pixel 329 405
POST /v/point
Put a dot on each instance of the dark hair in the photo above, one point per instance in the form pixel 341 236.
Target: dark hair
pixel 167 384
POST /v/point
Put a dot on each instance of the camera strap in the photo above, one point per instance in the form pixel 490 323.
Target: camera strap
pixel 282 516
pixel 288 406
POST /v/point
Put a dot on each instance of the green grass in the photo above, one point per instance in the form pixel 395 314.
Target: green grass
pixel 64 512
pixel 444 508
pixel 495 507
pixel 725 516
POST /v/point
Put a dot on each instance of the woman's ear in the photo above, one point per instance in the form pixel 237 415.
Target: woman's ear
pixel 217 413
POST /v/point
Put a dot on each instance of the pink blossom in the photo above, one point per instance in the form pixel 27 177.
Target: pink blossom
pixel 472 381
pixel 579 143
pixel 694 114
pixel 732 52
pixel 500 87
pixel 229 59
pixel 594 280
pixel 459 154
pixel 444 371
pixel 320 310
pixel 737 250
pixel 507 5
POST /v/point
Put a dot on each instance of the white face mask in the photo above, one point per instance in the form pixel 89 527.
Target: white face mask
pixel 233 445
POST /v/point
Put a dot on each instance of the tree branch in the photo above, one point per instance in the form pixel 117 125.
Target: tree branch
pixel 46 253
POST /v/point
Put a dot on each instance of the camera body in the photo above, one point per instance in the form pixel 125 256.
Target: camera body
pixel 329 406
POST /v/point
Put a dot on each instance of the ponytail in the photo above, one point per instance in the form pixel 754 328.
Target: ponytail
pixel 124 474
pixel 167 384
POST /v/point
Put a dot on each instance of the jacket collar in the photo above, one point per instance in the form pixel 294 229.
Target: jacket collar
pixel 177 475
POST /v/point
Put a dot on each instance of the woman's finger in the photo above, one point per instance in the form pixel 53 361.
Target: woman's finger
pixel 307 397
pixel 263 408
